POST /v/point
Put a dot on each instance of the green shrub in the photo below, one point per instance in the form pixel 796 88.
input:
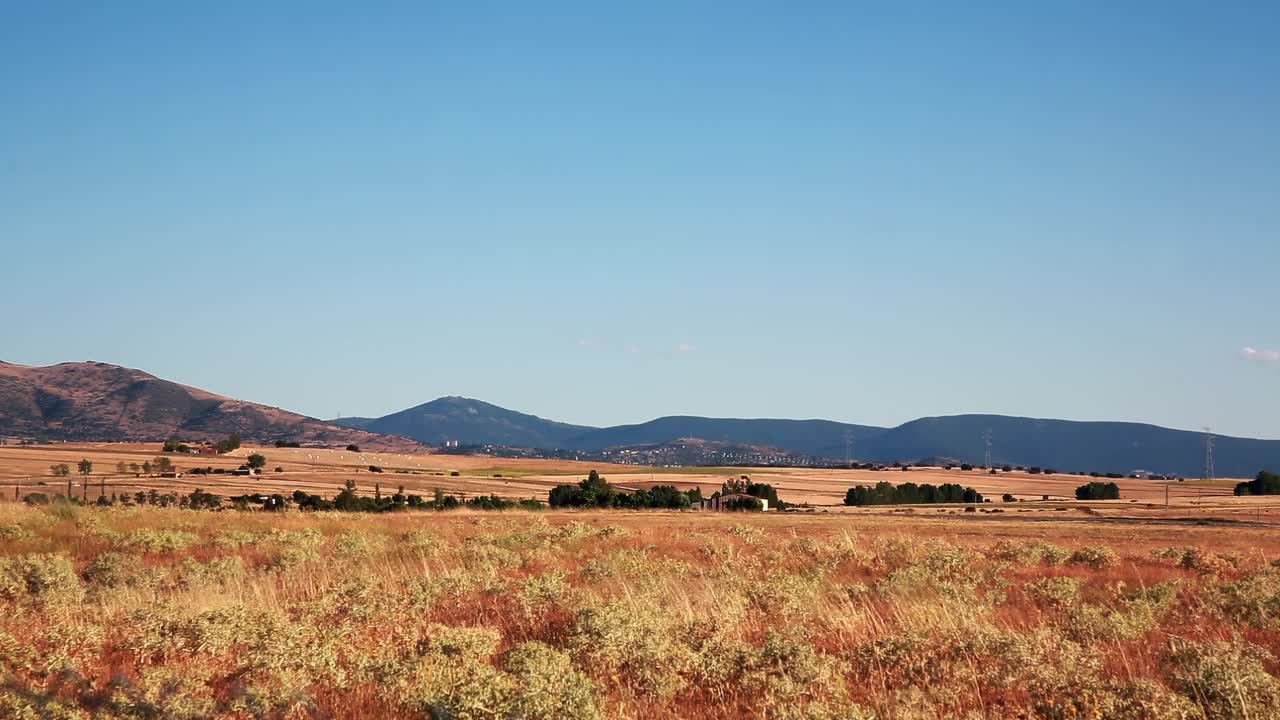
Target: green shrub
pixel 113 569
pixel 157 541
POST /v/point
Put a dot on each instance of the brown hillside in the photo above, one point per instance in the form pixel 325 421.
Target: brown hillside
pixel 100 401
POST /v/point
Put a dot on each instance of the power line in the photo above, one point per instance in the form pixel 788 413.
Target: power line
pixel 986 437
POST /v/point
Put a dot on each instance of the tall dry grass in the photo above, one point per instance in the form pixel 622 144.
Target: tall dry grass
pixel 149 613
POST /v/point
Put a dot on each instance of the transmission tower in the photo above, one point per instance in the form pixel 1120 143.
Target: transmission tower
pixel 1208 454
pixel 848 449
pixel 986 437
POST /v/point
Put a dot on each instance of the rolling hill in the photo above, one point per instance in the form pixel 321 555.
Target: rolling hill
pixel 99 401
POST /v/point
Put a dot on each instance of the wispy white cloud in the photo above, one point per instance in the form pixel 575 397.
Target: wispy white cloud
pixel 631 349
pixel 685 348
pixel 1261 356
pixel 588 342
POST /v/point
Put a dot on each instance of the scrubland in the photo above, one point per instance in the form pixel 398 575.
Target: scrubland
pixel 165 613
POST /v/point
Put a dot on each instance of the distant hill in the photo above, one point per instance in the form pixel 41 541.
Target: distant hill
pixel 822 438
pixel 1068 446
pixel 470 422
pixel 99 401
pixel 697 451
pixel 1062 445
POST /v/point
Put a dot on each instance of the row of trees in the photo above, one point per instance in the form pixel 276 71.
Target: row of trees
pixel 885 493
pixel 595 491
pixel 348 500
pixel 197 499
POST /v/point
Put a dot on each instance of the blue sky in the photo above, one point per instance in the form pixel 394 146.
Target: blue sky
pixel 859 211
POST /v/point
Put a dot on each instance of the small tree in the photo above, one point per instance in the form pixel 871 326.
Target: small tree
pixel 353 448
pixel 60 470
pixel 122 468
pixel 85 467
pixel 1098 491
pixel 257 461
pixel 163 464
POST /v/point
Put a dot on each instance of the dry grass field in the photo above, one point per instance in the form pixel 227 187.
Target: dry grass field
pixel 1032 609
pixel 164 613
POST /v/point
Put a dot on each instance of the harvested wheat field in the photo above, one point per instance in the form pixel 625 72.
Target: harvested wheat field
pixel 129 612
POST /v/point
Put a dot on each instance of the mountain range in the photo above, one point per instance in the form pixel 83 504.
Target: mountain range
pixel 99 401
pixel 1063 445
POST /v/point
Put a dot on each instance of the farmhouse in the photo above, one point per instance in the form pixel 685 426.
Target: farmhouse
pixel 722 503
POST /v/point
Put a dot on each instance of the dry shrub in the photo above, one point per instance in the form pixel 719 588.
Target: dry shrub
pixel 42 580
pixel 548 686
pixel 1029 552
pixel 1193 558
pixel 1055 592
pixel 635 640
pixel 13 532
pixel 539 592
pixel 1226 679
pixel 114 569
pixel 1097 557
pixel 181 694
pixel 1252 600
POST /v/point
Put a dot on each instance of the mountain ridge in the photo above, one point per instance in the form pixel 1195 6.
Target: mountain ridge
pixel 101 401
pixel 1063 445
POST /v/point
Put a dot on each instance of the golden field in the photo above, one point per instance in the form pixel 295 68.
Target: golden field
pixel 324 471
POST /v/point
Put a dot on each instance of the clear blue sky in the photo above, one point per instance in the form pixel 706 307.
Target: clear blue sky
pixel 859 211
